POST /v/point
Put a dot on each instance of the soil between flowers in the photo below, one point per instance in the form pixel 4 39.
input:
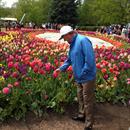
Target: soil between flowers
pixel 107 117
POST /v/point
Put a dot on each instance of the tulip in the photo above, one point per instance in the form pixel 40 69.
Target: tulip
pixel 10 86
pixel 55 74
pixel 98 65
pixel 16 84
pixel 28 78
pixel 6 90
pixel 14 75
pixel 105 76
pixel 69 69
pixel 35 69
pixel 48 66
pixel 104 70
pixel 10 64
pixel 16 65
pixel 42 72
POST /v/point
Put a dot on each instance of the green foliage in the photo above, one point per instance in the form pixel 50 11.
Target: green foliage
pixel 91 12
pixel 63 12
pixel 5 12
pixel 100 12
pixel 36 11
pixel 36 95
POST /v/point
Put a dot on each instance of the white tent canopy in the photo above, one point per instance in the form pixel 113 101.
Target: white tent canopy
pixel 8 19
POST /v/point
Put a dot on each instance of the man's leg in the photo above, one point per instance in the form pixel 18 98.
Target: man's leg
pixel 81 115
pixel 80 99
pixel 89 100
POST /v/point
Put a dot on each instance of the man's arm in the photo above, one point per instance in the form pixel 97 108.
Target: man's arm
pixel 65 65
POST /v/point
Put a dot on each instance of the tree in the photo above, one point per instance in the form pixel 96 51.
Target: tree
pixel 86 14
pixel 104 12
pixel 64 12
pixel 36 10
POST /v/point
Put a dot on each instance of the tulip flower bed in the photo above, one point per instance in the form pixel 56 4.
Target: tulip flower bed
pixel 27 81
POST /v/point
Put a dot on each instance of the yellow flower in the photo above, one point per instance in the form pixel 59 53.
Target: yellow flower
pixel 2 79
pixel 0 65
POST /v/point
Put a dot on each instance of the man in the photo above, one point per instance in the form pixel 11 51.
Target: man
pixel 81 57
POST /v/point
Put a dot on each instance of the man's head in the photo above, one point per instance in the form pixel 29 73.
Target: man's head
pixel 66 33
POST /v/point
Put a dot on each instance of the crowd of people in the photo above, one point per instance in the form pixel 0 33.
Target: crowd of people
pixel 121 30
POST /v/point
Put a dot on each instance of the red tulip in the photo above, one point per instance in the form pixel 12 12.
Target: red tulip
pixel 32 64
pixel 14 75
pixel 98 65
pixel 10 64
pixel 111 70
pixel 35 69
pixel 104 70
pixel 69 69
pixel 41 71
pixel 55 74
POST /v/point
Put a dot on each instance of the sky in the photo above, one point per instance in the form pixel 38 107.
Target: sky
pixel 9 2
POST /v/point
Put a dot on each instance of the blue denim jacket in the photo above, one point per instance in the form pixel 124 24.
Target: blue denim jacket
pixel 81 57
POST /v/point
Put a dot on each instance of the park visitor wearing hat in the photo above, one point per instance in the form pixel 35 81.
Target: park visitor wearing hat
pixel 82 59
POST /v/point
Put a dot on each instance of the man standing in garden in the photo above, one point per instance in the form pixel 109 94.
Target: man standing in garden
pixel 81 57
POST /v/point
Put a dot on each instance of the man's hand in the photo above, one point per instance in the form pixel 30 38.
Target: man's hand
pixel 56 73
pixel 57 70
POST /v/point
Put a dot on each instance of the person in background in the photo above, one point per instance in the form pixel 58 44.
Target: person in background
pixel 81 57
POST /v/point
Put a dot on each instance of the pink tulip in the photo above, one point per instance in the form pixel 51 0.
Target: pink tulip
pixel 115 78
pixel 16 84
pixel 128 82
pixel 48 66
pixel 6 90
pixel 10 86
pixel 16 65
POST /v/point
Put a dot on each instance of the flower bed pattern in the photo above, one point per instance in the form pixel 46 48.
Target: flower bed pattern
pixel 27 82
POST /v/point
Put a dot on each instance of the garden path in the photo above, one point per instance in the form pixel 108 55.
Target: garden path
pixel 107 117
pixel 55 36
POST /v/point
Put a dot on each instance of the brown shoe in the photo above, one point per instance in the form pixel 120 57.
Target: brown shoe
pixel 88 128
pixel 79 118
